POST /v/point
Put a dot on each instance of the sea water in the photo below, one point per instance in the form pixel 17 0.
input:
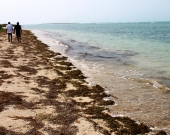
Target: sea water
pixel 130 60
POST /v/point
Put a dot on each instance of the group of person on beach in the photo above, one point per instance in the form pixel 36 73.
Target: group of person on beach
pixel 17 30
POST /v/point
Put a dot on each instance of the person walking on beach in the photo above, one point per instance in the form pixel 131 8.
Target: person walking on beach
pixel 9 30
pixel 18 31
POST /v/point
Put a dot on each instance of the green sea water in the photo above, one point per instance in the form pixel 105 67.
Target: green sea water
pixel 145 46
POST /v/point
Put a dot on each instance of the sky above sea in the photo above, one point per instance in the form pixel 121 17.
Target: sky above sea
pixel 83 11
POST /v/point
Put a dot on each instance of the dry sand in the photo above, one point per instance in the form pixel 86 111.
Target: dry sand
pixel 41 93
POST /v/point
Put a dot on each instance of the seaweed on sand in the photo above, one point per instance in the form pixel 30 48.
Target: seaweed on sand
pixel 51 54
pixel 60 83
pixel 42 81
pixel 96 112
pixel 6 63
pixel 54 90
pixel 161 133
pixel 81 91
pixel 3 75
pixel 99 95
pixel 96 92
pixel 66 114
pixel 4 131
pixel 118 124
pixel 9 98
pixel 38 90
pixel 33 123
pixel 74 74
pixel 132 126
pixel 40 47
pixel 54 85
pixel 59 59
pixel 10 51
pixel 27 69
pixel 65 63
pixel 63 67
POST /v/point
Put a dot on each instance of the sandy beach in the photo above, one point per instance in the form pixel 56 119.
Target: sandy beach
pixel 42 93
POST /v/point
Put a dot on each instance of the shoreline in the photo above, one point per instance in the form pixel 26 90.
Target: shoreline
pixel 137 98
pixel 43 93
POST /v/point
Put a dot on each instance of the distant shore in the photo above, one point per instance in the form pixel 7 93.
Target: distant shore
pixel 43 93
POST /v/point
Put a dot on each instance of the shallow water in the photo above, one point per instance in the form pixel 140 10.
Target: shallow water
pixel 131 61
pixel 143 46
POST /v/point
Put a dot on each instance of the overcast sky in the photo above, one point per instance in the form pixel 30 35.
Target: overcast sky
pixel 83 11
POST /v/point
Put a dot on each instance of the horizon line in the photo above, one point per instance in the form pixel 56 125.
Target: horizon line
pixel 97 22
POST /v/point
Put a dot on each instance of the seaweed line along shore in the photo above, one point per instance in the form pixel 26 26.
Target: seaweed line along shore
pixel 42 93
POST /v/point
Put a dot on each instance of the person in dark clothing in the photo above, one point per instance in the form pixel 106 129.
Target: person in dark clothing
pixel 18 31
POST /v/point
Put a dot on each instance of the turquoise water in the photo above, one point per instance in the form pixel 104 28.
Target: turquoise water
pixel 144 46
pixel 130 60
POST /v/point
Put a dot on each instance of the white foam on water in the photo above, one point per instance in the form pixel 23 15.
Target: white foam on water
pixel 53 43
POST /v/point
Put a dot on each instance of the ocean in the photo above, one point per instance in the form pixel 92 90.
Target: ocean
pixel 130 60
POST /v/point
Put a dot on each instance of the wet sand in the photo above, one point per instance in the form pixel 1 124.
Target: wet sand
pixel 42 93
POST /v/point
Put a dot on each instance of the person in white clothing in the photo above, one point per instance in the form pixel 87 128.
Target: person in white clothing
pixel 9 30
